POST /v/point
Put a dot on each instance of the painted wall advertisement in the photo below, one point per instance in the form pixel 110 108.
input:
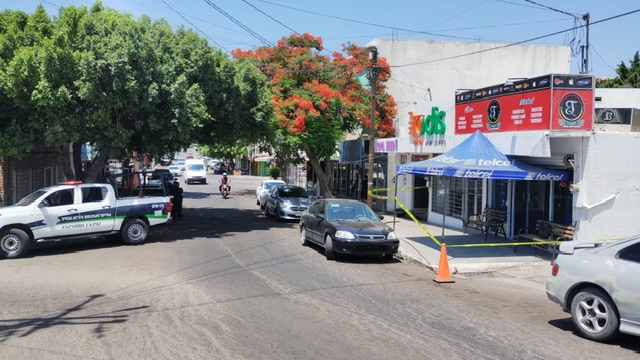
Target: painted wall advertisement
pixel 550 102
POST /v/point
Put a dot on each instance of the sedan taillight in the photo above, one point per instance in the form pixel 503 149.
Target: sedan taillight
pixel 554 269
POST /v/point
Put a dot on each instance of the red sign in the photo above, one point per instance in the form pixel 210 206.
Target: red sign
pixel 558 102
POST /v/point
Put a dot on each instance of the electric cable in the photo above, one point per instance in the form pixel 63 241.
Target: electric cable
pixel 192 24
pixel 516 43
pixel 237 22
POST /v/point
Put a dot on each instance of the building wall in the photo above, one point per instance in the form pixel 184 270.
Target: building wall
pixel 617 98
pixel 607 201
pixel 437 70
pixel 20 177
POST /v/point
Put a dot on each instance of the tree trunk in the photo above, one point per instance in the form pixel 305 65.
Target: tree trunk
pixel 77 161
pixel 325 191
pixel 67 169
pixel 97 167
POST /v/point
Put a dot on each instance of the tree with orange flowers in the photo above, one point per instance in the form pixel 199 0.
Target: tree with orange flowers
pixel 317 98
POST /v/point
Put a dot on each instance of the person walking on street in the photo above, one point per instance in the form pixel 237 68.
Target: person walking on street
pixel 177 191
pixel 364 187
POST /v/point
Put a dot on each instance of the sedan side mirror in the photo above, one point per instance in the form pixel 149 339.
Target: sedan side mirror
pixel 320 216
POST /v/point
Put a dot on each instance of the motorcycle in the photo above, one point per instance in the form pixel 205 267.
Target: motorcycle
pixel 225 191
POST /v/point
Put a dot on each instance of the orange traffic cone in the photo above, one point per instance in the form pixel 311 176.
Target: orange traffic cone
pixel 443 275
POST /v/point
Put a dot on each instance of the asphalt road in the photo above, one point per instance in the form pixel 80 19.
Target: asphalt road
pixel 225 282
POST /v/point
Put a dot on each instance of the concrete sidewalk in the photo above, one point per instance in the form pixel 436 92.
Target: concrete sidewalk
pixel 416 246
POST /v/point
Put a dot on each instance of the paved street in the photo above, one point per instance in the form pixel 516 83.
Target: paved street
pixel 226 282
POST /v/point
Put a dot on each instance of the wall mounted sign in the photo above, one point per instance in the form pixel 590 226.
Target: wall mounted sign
pixel 550 102
pixel 425 130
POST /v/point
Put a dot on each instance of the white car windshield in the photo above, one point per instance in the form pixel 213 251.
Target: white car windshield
pixel 196 167
pixel 269 185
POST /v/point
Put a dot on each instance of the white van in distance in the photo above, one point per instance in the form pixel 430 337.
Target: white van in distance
pixel 195 171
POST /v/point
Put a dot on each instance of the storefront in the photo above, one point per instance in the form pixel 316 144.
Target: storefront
pixel 539 123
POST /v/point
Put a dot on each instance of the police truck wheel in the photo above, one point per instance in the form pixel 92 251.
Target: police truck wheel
pixel 13 243
pixel 134 231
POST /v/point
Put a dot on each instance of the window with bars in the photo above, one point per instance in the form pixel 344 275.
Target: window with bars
pixel 449 196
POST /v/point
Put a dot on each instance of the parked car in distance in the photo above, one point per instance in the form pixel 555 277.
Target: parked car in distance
pixel 181 162
pixel 344 226
pixel 219 168
pixel 158 175
pixel 175 170
pixel 286 202
pixel 195 171
pixel 264 188
pixel 165 160
pixel 597 283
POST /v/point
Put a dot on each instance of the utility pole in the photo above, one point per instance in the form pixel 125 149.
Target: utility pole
pixel 373 72
pixel 585 48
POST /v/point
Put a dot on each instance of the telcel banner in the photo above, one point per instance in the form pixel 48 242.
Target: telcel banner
pixel 550 102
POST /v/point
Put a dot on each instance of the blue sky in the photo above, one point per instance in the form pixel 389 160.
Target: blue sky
pixel 252 23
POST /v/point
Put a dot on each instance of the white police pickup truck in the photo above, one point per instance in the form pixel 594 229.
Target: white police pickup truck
pixel 76 210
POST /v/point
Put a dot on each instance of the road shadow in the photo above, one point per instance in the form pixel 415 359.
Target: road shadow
pixel 23 327
pixel 624 341
pixel 473 246
pixel 355 259
pixel 202 222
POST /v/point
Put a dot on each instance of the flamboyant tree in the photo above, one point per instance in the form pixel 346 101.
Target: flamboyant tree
pixel 317 98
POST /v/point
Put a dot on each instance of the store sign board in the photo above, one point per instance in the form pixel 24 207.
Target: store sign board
pixel 427 130
pixel 389 145
pixel 550 102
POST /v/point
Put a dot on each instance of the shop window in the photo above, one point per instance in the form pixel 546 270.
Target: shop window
pixel 461 196
pixel 448 196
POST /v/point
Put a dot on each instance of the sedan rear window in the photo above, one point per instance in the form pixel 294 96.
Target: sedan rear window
pixel 285 192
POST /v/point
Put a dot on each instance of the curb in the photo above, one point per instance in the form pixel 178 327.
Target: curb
pixel 462 268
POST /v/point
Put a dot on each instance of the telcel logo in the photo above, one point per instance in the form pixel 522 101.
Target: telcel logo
pixel 548 177
pixel 449 160
pixel 494 162
pixel 476 174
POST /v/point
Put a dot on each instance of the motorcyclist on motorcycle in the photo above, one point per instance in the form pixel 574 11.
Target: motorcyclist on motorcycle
pixel 225 180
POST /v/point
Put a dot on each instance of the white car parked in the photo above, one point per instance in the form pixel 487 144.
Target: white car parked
pixel 264 188
pixel 598 284
pixel 175 170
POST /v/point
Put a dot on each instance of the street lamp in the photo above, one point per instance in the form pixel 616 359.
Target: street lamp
pixel 373 72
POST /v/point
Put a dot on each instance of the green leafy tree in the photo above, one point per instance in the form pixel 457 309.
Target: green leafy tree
pixel 317 99
pixel 627 75
pixel 98 76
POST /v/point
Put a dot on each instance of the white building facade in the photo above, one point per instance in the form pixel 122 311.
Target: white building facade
pixel 604 189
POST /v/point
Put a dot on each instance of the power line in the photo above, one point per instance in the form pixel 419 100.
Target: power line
pixel 270 17
pixel 192 24
pixel 591 47
pixel 517 43
pixel 368 23
pixel 552 9
pixel 237 22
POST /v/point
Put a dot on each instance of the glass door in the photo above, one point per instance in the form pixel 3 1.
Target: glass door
pixel 530 203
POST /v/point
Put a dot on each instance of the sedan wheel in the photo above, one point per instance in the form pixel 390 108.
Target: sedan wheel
pixel 328 248
pixel 594 315
pixel 303 237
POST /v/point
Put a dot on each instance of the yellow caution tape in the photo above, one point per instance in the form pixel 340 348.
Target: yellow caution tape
pixel 408 212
